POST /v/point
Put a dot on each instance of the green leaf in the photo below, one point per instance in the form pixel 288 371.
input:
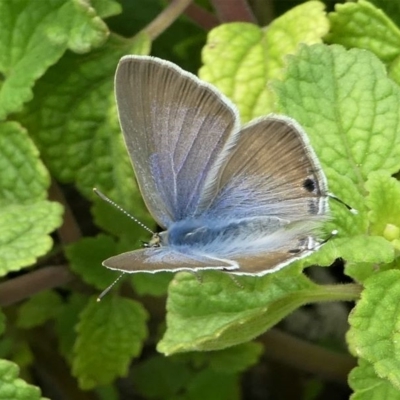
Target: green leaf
pixel 34 35
pixel 74 122
pixel 360 248
pixel 383 201
pixel 218 313
pixel 24 178
pixel 151 284
pixel 234 49
pixel 21 353
pixel 110 333
pixel 367 385
pixel 235 359
pixel 66 321
pixel 212 385
pixel 26 218
pixel 323 89
pixel 391 8
pixel 14 388
pixel 374 332
pixel 172 377
pixel 24 233
pixel 86 256
pixel 108 392
pixel 193 375
pixel 363 253
pixel 106 8
pixel 38 309
pixel 346 222
pixel 363 25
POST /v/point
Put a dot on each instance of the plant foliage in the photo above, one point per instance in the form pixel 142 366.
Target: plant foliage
pixel 336 72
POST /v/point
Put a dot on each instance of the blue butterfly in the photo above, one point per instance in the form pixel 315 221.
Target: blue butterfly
pixel 248 200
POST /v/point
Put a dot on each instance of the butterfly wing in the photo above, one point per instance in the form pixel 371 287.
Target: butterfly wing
pixel 271 171
pixel 164 259
pixel 281 247
pixel 271 180
pixel 175 127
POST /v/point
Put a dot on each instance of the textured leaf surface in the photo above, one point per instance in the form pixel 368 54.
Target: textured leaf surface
pixel 26 218
pixel 359 249
pixel 34 35
pixel 240 59
pixel 14 388
pixel 74 121
pixel 323 90
pixel 110 333
pixel 349 139
pixel 374 333
pixel 365 26
pixel 368 386
pixel 391 8
pixel 24 233
pixel 383 202
pixel 217 313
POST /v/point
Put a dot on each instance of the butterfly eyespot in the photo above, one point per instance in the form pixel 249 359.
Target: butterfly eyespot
pixel 309 185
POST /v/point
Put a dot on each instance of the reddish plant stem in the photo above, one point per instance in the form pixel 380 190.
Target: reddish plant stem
pixel 233 11
pixel 69 231
pixel 201 17
pixel 25 286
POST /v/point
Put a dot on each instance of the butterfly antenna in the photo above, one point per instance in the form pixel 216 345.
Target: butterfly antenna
pixel 105 291
pixel 113 203
pixel 351 209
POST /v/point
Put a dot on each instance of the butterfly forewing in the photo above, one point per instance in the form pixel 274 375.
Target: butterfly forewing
pixel 175 127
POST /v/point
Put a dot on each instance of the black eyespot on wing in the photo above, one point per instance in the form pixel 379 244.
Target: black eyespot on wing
pixel 309 185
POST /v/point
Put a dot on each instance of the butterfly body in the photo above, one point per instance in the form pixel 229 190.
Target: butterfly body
pixel 246 199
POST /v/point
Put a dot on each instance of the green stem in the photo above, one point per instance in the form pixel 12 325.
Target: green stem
pixel 341 292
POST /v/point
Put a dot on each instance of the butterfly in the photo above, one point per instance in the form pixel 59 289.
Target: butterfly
pixel 245 199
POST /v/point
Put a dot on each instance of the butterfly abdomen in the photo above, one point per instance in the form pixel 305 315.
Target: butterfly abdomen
pixel 223 238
